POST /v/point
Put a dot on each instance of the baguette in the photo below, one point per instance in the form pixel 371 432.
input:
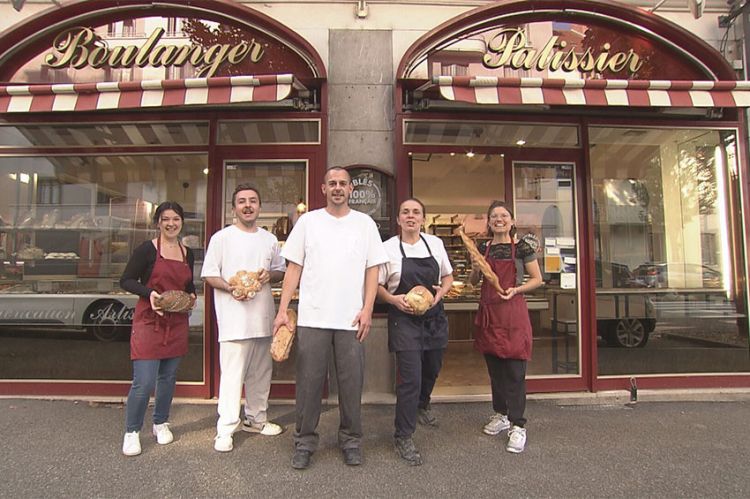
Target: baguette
pixel 480 261
pixel 283 339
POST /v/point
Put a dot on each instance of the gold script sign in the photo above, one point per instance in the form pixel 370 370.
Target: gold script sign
pixel 508 49
pixel 79 47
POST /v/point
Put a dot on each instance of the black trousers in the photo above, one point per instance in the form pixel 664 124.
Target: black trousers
pixel 508 379
pixel 417 371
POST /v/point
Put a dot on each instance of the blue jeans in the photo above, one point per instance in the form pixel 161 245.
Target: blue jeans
pixel 147 375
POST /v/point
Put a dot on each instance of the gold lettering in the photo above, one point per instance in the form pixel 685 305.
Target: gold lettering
pixel 80 47
pixel 508 48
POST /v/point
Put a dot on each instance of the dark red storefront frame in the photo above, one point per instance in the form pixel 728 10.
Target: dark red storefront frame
pixel 22 39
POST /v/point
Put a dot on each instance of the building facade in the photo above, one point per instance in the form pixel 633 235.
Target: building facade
pixel 617 134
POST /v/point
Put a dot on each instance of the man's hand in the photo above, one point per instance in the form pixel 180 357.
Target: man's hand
pixel 364 320
pixel 264 276
pixel 282 319
pixel 399 301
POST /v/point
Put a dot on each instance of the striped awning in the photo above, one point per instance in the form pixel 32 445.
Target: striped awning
pixel 145 94
pixel 559 92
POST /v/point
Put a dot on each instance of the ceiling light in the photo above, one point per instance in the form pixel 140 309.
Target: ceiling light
pixel 205 171
pixel 470 154
pixel 520 142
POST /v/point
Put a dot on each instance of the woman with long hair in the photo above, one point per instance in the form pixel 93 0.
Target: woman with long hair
pixel 158 339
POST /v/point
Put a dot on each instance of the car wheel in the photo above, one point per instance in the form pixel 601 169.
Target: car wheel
pixel 107 320
pixel 628 333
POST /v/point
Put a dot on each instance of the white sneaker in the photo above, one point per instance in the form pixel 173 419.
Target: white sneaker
pixel 223 443
pixel 497 423
pixel 131 444
pixel 266 428
pixel 162 433
pixel 516 440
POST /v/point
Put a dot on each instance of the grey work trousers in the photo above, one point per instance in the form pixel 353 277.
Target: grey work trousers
pixel 314 347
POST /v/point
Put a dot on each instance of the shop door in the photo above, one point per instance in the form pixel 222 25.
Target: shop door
pixel 283 188
pixel 544 198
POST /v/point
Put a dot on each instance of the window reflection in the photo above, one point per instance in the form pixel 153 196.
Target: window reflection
pixel 68 225
pixel 662 226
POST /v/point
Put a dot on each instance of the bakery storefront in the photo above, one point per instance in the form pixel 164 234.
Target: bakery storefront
pixel 619 139
pixel 108 108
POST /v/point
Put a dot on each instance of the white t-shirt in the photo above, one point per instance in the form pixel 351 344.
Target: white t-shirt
pixel 230 250
pixel 334 253
pixel 389 273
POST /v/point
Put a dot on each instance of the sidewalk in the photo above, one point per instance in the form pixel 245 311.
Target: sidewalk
pixel 651 449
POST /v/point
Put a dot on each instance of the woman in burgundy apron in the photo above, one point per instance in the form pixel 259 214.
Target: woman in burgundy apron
pixel 418 340
pixel 503 328
pixel 158 339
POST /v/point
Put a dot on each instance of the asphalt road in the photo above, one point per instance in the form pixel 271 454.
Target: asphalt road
pixel 651 449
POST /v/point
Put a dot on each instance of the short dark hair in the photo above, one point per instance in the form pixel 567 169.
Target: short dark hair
pixel 168 205
pixel 500 204
pixel 339 168
pixel 245 187
pixel 424 211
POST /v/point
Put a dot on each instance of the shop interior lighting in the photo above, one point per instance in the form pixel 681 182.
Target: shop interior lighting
pixel 453 154
pixel 12 176
pixel 520 142
pixel 205 171
pixel 24 177
pixel 470 154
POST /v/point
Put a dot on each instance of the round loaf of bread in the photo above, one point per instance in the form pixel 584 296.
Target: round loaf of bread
pixel 245 284
pixel 419 299
pixel 174 301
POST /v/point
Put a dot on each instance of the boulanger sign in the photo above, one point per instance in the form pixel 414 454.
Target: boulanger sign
pixel 80 47
pixel 509 48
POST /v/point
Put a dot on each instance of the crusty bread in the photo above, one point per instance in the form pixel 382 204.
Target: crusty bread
pixel 283 339
pixel 479 261
pixel 419 299
pixel 174 301
pixel 245 284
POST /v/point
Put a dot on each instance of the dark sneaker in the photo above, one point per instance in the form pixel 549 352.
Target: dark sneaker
pixel 301 459
pixel 408 451
pixel 352 456
pixel 426 417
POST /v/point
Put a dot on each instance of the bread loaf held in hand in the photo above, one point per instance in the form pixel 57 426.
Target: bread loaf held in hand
pixel 283 339
pixel 419 299
pixel 175 301
pixel 245 284
pixel 479 261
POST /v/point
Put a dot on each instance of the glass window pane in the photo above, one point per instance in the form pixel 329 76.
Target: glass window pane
pixel 484 133
pixel 665 259
pixel 68 225
pixel 105 134
pixel 269 132
pixel 282 186
pixel 545 215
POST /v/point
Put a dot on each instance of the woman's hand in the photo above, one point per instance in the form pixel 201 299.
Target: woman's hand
pixel 193 301
pixel 509 293
pixel 438 295
pixel 152 298
pixel 399 301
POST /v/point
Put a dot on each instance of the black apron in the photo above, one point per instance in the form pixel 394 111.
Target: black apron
pixel 417 332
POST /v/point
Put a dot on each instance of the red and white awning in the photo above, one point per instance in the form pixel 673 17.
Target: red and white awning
pixel 144 94
pixel 559 92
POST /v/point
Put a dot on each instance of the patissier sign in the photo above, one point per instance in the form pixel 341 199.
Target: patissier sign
pixel 510 48
pixel 80 47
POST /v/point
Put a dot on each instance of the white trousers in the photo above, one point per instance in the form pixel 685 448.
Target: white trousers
pixel 249 362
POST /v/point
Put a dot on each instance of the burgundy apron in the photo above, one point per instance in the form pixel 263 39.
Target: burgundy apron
pixel 503 327
pixel 155 336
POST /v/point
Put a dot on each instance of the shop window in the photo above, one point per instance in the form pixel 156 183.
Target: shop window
pixel 68 225
pixel 269 132
pixel 665 232
pixel 491 134
pixel 164 133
